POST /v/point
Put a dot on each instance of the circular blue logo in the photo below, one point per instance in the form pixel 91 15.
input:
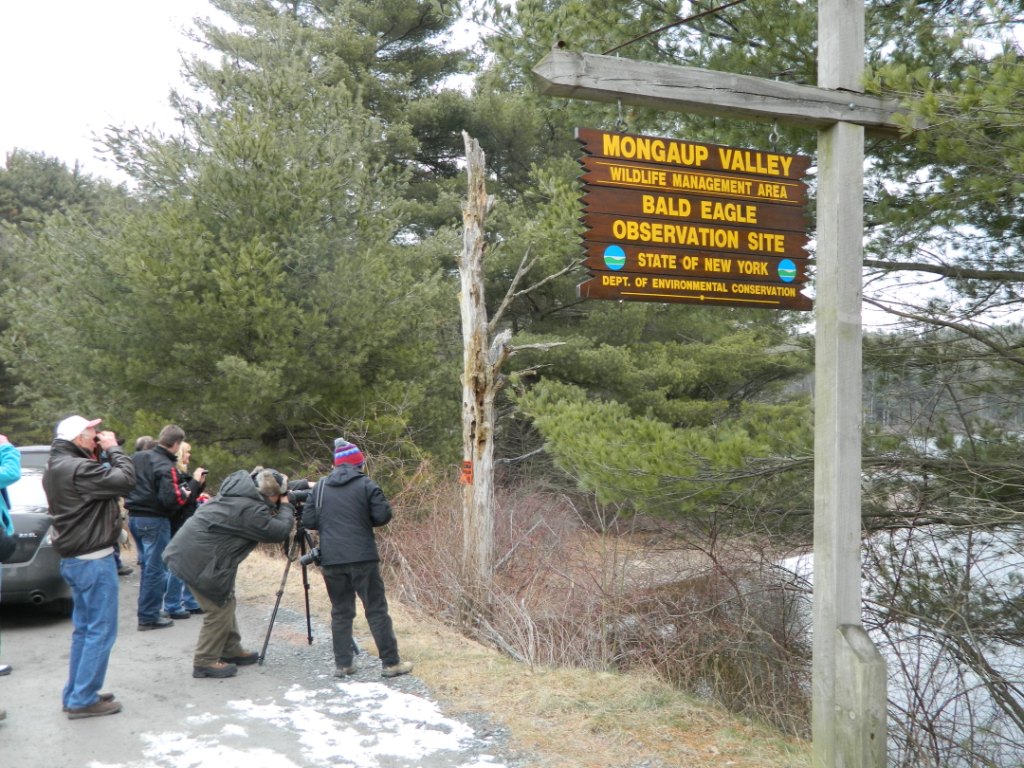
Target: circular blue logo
pixel 787 271
pixel 614 257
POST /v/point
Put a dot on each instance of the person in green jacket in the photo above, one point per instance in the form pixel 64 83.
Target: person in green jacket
pixel 205 553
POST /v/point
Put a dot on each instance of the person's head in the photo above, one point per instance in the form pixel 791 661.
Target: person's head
pixel 144 443
pixel 171 437
pixel 348 453
pixel 270 483
pixel 184 454
pixel 78 430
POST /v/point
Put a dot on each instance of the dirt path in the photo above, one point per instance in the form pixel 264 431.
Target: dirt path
pixel 291 712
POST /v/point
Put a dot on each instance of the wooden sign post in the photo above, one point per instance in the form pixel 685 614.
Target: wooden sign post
pixel 849 676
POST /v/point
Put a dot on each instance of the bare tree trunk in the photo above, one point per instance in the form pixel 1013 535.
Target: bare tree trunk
pixel 480 383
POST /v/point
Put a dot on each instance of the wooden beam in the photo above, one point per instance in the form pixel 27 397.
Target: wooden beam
pixel 706 92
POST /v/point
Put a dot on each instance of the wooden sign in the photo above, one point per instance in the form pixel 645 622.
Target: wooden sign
pixel 693 290
pixel 681 221
pixel 689 154
pixel 658 205
pixel 628 257
pixel 610 228
pixel 622 174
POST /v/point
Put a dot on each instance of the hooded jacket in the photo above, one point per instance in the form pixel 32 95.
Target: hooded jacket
pixel 82 494
pixel 206 551
pixel 10 472
pixel 345 507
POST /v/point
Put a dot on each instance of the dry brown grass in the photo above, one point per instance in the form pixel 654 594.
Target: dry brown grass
pixel 565 718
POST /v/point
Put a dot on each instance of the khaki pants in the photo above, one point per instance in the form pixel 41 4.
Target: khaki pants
pixel 219 637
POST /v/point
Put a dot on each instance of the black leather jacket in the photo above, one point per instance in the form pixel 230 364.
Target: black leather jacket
pixel 159 491
pixel 82 494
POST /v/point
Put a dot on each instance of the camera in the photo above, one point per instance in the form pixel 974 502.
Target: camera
pixel 313 556
pixel 298 493
pixel 298 498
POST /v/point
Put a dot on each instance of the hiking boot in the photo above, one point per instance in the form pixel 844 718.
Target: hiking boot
pixel 160 623
pixel 179 615
pixel 243 660
pixel 345 671
pixel 220 669
pixel 103 697
pixel 401 668
pixel 98 709
pixel 196 611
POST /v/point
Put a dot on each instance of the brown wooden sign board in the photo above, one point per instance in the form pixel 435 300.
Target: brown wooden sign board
pixel 649 204
pixel 694 290
pixel 656 233
pixel 624 174
pixel 676 262
pixel 689 154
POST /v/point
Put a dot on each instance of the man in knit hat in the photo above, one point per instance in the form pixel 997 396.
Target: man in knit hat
pixel 345 507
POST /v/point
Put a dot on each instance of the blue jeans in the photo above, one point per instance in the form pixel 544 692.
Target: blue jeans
pixel 94 588
pixel 153 534
pixel 178 598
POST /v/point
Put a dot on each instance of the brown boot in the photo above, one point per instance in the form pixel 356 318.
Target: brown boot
pixel 98 709
pixel 220 669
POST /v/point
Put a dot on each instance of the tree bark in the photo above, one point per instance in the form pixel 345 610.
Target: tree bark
pixel 480 383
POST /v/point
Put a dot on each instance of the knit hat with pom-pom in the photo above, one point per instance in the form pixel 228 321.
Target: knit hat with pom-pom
pixel 347 453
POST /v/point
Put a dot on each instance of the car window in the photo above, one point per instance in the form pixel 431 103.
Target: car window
pixel 28 491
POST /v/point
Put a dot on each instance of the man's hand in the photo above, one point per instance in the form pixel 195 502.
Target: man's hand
pixel 106 439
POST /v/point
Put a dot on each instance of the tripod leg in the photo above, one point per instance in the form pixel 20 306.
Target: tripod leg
pixel 306 539
pixel 289 556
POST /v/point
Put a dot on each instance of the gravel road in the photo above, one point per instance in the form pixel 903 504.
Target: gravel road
pixel 289 713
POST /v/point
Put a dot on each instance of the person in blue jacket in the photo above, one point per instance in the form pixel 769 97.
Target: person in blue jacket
pixel 10 472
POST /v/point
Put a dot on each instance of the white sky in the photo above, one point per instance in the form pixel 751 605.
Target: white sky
pixel 71 68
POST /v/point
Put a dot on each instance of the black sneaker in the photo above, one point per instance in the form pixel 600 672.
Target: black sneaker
pixel 160 623
pixel 179 615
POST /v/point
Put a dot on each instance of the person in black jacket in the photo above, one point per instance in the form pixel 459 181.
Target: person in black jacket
pixel 345 507
pixel 158 497
pixel 83 497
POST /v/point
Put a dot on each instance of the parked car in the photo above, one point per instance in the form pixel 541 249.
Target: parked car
pixel 32 575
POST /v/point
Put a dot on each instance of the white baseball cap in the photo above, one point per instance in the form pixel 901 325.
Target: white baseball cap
pixel 73 426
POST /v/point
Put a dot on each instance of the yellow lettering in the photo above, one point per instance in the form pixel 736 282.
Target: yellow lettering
pixel 716 264
pixel 759 268
pixel 734 212
pixel 766 241
pixel 656 260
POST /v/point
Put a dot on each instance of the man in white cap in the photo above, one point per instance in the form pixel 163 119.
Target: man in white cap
pixel 83 496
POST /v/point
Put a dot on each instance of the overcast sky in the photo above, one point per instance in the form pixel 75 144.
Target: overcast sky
pixel 71 68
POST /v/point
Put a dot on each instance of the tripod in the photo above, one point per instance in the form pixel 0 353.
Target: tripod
pixel 302 542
